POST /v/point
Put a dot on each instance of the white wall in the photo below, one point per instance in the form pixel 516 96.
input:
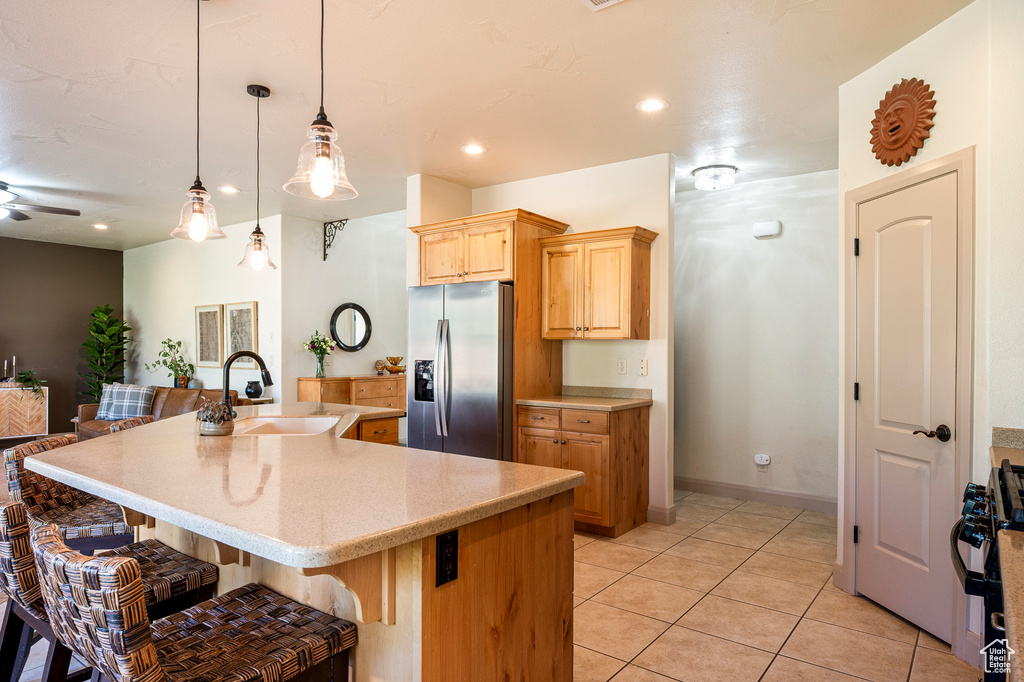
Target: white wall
pixel 637 192
pixel 164 282
pixel 365 265
pixel 975 63
pixel 755 335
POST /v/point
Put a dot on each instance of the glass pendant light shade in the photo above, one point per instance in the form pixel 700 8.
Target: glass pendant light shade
pixel 257 252
pixel 320 173
pixel 198 217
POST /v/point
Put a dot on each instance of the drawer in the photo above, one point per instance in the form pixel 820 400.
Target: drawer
pixel 374 389
pixel 393 402
pixel 584 421
pixel 379 431
pixel 539 418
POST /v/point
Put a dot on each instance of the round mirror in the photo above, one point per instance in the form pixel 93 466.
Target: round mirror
pixel 350 327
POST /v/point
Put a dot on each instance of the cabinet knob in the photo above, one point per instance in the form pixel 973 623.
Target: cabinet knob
pixel 391 388
pixel 466 272
pixel 563 442
pixel 577 328
pixel 586 329
pixel 555 440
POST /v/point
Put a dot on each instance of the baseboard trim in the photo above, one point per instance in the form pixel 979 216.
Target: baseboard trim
pixel 745 492
pixel 666 516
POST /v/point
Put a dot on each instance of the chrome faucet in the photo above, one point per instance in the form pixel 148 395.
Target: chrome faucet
pixel 264 372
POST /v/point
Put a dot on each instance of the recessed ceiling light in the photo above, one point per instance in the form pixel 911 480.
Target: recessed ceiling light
pixel 228 189
pixel 714 177
pixel 474 149
pixel 651 105
pixel 101 226
pixel 4 213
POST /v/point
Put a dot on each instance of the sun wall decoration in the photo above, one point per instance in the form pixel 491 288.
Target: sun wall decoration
pixel 902 122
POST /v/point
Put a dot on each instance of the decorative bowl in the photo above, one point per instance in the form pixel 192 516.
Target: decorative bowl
pixel 396 369
pixel 211 429
pixel 394 360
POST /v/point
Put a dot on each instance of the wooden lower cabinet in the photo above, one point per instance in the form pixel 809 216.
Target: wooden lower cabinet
pixel 614 497
pixel 379 431
pixel 23 413
pixel 368 391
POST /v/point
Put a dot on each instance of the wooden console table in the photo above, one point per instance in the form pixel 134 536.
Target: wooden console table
pixel 22 412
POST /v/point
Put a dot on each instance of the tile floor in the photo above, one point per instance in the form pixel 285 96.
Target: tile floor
pixel 732 591
pixel 737 591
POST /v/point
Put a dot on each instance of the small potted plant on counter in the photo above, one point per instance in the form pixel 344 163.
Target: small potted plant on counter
pixel 215 419
pixel 320 346
pixel 171 359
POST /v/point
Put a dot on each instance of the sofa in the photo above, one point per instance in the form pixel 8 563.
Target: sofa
pixel 167 402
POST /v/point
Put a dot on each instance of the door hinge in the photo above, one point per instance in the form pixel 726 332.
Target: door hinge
pixel 856 246
pixel 856 534
pixel 856 390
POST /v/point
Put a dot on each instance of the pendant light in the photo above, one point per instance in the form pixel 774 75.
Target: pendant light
pixel 198 216
pixel 321 169
pixel 257 252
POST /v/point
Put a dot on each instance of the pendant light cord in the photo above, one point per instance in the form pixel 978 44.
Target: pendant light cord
pixel 258 162
pixel 322 56
pixel 198 25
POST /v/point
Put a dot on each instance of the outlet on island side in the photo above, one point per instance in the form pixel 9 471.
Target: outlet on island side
pixel 621 367
pixel 447 557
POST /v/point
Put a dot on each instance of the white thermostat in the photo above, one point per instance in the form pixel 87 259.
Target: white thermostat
pixel 767 229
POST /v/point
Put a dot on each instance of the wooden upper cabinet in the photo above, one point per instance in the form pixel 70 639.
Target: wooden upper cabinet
pixel 562 293
pixel 597 285
pixel 442 257
pixel 480 248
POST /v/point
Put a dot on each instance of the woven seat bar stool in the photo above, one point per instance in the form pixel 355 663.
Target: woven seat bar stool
pixel 131 423
pixel 171 581
pixel 86 522
pixel 249 634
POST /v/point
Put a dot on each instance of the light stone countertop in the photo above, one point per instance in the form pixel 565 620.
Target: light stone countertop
pixel 303 501
pixel 578 402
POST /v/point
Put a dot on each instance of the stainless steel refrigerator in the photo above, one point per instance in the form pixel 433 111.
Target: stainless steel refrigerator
pixel 460 362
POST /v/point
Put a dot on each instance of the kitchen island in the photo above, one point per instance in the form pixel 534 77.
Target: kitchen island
pixel 351 528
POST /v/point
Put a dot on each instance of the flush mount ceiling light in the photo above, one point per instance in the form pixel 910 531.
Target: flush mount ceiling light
pixel 5 194
pixel 652 105
pixel 474 149
pixel 714 177
pixel 257 252
pixel 101 226
pixel 228 189
pixel 198 216
pixel 4 212
pixel 320 173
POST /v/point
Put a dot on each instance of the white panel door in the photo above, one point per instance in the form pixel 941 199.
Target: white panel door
pixel 906 369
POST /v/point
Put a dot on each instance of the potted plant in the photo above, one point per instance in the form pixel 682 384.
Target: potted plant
pixel 104 351
pixel 215 419
pixel 320 346
pixel 171 359
pixel 28 381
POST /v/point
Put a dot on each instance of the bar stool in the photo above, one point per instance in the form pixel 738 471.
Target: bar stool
pixel 171 581
pixel 131 423
pixel 249 634
pixel 86 522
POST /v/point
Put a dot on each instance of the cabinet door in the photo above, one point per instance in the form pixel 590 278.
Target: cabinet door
pixel 26 413
pixel 562 291
pixel 606 294
pixel 540 447
pixel 334 391
pixel 589 454
pixel 309 390
pixel 441 257
pixel 488 252
pixel 5 396
pixel 379 431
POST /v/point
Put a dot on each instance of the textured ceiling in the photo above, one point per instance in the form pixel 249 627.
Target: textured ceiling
pixel 97 98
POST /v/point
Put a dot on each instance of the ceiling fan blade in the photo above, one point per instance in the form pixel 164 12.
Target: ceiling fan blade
pixel 47 209
pixel 18 215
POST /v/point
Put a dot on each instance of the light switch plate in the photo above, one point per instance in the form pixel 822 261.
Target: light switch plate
pixel 622 366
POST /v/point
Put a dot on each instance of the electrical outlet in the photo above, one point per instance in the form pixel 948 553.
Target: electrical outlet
pixel 643 367
pixel 622 366
pixel 763 468
pixel 327 361
pixel 447 558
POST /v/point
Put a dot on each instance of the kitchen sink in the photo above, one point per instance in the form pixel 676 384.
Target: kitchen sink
pixel 283 426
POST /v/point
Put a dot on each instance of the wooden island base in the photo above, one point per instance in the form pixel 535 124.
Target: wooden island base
pixel 508 615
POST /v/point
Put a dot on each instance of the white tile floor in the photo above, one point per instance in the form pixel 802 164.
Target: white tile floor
pixel 732 591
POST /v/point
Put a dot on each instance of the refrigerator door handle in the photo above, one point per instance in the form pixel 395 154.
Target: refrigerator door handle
pixel 445 381
pixel 438 393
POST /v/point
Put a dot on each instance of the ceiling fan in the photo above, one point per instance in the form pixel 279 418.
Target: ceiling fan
pixel 17 211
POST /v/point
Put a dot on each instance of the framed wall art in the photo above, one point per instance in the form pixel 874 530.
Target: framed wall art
pixel 209 330
pixel 240 331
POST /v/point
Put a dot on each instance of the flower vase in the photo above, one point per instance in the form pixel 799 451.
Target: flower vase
pixel 211 429
pixel 320 373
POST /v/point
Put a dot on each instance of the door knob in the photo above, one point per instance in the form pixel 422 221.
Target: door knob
pixel 941 432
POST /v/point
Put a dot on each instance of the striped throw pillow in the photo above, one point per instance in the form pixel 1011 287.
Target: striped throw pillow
pixel 121 401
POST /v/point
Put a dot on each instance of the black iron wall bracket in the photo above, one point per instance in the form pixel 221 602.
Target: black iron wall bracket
pixel 331 230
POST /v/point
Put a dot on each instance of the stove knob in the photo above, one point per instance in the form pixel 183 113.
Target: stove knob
pixel 975 531
pixel 975 508
pixel 975 492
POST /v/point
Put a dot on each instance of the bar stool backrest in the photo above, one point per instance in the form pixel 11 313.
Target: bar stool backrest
pixel 18 576
pixel 97 609
pixel 40 494
pixel 131 423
